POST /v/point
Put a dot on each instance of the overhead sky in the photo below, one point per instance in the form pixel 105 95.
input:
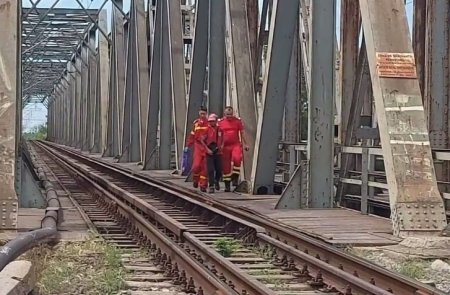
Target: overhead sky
pixel 36 114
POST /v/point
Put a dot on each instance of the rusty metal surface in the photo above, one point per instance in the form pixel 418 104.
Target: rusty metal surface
pixel 323 253
pixel 329 273
pixel 9 97
pixel 401 118
pixel 147 234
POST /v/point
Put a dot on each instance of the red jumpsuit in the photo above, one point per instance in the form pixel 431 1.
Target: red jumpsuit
pixel 199 156
pixel 232 147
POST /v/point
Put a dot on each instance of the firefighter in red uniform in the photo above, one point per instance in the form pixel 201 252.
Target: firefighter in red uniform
pixel 199 156
pixel 233 139
pixel 213 144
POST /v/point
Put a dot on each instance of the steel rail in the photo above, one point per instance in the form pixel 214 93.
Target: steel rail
pixel 201 275
pixel 361 269
pixel 241 280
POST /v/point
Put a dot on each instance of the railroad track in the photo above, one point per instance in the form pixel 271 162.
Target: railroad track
pixel 269 259
pixel 144 275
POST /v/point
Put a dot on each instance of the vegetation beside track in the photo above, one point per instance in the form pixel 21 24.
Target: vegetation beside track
pixel 88 267
pixel 411 266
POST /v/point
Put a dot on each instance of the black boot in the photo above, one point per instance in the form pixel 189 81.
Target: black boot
pixel 217 186
pixel 195 184
pixel 227 186
pixel 235 179
pixel 203 189
pixel 211 190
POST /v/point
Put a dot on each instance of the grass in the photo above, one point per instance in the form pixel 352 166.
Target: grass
pixel 89 267
pixel 412 268
pixel 226 246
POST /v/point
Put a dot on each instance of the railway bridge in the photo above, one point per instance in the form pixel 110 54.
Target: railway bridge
pixel 346 112
pixel 349 111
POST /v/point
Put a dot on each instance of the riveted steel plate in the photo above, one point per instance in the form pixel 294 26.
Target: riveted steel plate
pixel 9 214
pixel 419 217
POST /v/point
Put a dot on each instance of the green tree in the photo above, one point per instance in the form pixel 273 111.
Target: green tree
pixel 36 133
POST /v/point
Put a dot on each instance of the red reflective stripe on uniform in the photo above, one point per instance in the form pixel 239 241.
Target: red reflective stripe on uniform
pixel 200 128
pixel 199 156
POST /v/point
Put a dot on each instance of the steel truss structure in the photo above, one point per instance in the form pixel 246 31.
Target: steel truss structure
pixel 128 84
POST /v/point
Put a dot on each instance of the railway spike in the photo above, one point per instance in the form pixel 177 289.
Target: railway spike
pixel 214 270
pixel 355 273
pixel 222 278
pixel 317 281
pixel 372 281
pixel 277 261
pixel 191 286
pixel 318 256
pixel 303 273
pixel 348 291
pixel 341 267
pixel 244 292
pixel 230 283
pixel 291 265
pixel 163 258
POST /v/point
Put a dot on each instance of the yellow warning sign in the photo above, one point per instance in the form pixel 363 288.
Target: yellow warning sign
pixel 396 65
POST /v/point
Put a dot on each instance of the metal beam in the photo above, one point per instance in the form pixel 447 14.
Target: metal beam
pixel 281 39
pixel 72 83
pixel 116 83
pixel 198 65
pixel 166 114
pixel 103 91
pixel 292 107
pixel 216 63
pixel 413 191
pixel 84 98
pixel 136 86
pixel 436 87
pixel 92 93
pixel 151 148
pixel 360 90
pixel 321 103
pixel 351 22
pixel 240 75
pixel 77 119
pixel 177 77
pixel 419 37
